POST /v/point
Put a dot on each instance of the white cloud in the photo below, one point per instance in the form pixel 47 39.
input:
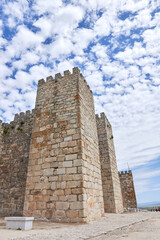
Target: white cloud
pixel 15 10
pixel 5 71
pixel 131 54
pixel 62 46
pixel 81 38
pixel 62 66
pixel 119 59
pixel 102 26
pixel 143 18
pixel 101 52
pixel 145 181
pixel 142 186
pixel 45 25
pixel 47 6
pixel 26 58
pixel 148 174
pixel 61 22
pixel 39 71
pixel 2 40
pixel 152 39
pixel 1 28
pixel 133 6
pixel 23 40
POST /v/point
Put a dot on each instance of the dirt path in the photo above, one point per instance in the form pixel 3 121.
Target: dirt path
pixel 133 226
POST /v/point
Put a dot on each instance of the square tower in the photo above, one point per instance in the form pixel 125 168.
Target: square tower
pixel 110 179
pixel 64 174
pixel 128 190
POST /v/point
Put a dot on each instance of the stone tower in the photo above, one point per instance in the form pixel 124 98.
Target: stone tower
pixel 128 191
pixel 58 162
pixel 64 174
pixel 110 179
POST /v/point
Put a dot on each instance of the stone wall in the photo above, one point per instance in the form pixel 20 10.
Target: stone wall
pixel 110 179
pixel 14 153
pixel 59 162
pixel 91 168
pixel 128 191
pixel 58 186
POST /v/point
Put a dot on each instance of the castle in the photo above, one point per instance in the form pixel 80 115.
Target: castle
pixel 58 162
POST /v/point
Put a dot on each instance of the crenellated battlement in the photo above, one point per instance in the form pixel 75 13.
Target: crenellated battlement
pixel 19 118
pixel 24 115
pixel 58 77
pixel 103 117
pixel 129 172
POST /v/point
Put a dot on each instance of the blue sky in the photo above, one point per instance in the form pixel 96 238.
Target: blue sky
pixel 116 44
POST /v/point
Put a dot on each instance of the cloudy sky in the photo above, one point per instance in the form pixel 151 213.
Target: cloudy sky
pixel 116 44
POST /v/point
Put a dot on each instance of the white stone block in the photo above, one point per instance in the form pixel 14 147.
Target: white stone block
pixel 23 223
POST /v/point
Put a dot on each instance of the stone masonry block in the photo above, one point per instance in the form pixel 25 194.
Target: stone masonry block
pixel 76 205
pixel 61 171
pixel 62 205
pixel 71 157
pixel 67 164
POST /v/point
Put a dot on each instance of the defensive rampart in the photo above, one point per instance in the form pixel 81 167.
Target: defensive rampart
pixel 58 162
pixel 14 153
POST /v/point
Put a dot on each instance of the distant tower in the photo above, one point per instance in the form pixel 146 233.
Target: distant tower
pixel 128 191
pixel 110 179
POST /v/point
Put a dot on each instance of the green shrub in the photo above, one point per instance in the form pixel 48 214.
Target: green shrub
pixel 5 130
pixel 21 123
pixel 19 129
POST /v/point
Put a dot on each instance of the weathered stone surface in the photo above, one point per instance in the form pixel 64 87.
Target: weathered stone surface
pixel 14 154
pixel 128 191
pixel 53 163
pixel 64 136
pixel 110 180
